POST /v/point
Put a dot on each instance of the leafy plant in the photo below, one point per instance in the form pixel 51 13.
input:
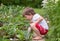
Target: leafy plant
pixel 14 25
pixel 53 11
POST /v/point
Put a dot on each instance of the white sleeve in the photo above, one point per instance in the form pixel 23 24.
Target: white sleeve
pixel 35 17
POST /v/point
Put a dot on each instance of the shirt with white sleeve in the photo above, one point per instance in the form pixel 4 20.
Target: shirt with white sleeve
pixel 43 23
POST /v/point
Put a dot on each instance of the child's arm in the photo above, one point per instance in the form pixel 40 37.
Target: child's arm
pixel 39 19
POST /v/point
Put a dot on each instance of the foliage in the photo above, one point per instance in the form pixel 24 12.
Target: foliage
pixel 53 10
pixel 14 25
pixel 31 3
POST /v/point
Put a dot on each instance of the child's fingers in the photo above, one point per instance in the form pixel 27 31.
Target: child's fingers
pixel 32 24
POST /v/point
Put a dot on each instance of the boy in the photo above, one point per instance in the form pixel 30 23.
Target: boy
pixel 37 22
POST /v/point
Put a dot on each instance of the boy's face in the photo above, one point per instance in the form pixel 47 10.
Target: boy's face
pixel 28 17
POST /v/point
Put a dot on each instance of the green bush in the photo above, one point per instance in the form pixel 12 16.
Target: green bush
pixel 31 3
pixel 14 25
pixel 53 11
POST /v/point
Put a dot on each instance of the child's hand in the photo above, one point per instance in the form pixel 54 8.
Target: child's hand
pixel 32 24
